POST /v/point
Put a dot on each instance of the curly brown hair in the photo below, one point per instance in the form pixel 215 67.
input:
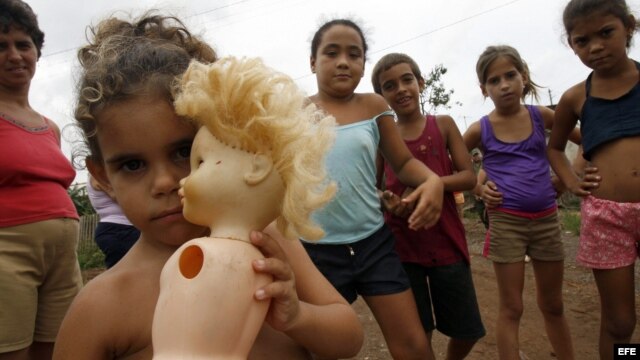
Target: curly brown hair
pixel 126 59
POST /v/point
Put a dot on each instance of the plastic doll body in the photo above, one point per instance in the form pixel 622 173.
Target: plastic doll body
pixel 206 308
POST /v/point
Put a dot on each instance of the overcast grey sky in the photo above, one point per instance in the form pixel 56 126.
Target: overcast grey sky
pixel 448 32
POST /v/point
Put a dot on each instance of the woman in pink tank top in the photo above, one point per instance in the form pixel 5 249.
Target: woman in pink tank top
pixel 39 275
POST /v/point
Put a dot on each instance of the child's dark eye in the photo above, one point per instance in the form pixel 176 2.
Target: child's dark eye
pixel 183 152
pixel 408 79
pixel 132 165
pixel 580 42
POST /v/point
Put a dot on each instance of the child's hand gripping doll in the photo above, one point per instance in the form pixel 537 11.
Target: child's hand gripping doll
pixel 258 157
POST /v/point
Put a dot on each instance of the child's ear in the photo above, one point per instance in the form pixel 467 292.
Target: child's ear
pixel 421 84
pixel 312 64
pixel 99 174
pixel 261 166
pixel 525 79
pixel 631 29
pixel 484 91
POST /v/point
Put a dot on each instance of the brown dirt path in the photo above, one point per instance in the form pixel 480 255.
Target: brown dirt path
pixel 580 299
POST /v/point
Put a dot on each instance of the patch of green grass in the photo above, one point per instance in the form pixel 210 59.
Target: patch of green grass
pixel 92 259
pixel 571 221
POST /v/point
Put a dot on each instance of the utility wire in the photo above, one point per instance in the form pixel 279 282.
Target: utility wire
pixel 447 26
pixel 434 30
pixel 188 16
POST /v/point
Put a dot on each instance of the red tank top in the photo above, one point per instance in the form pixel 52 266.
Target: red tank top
pixel 34 176
pixel 445 242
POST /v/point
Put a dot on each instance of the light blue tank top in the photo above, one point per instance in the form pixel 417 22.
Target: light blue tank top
pixel 354 213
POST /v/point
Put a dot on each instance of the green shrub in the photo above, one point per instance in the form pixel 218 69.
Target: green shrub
pixel 92 259
pixel 571 221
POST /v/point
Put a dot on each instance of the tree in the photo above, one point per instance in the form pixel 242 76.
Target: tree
pixel 435 95
pixel 80 199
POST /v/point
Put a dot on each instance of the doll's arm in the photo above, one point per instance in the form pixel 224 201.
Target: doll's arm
pixel 304 304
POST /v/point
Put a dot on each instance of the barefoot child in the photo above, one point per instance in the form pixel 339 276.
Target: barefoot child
pixel 357 254
pixel 523 217
pixel 139 151
pixel 436 259
pixel 607 104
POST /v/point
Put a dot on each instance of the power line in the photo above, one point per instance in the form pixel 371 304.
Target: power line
pixel 447 26
pixel 188 16
pixel 434 30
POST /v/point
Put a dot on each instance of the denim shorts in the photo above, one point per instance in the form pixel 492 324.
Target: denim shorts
pixel 447 293
pixel 368 267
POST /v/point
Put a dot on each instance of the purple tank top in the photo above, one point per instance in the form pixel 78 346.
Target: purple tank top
pixel 520 170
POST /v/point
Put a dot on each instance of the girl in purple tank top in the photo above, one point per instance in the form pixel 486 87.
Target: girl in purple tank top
pixel 520 196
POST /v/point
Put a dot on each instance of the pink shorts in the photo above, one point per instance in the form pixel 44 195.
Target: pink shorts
pixel 609 233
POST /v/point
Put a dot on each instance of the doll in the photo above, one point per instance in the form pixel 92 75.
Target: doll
pixel 257 157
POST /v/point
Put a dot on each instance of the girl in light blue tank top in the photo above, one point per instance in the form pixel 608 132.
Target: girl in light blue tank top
pixel 357 254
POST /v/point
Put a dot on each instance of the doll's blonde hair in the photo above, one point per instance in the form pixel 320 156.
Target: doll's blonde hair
pixel 244 103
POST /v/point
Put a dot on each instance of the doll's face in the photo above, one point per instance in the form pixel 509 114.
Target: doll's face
pixel 216 179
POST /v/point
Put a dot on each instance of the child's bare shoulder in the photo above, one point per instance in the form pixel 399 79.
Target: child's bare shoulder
pixel 575 94
pixel 110 297
pixel 95 322
pixel 374 102
pixel 445 121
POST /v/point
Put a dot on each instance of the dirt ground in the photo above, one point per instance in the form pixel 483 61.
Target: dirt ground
pixel 580 300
